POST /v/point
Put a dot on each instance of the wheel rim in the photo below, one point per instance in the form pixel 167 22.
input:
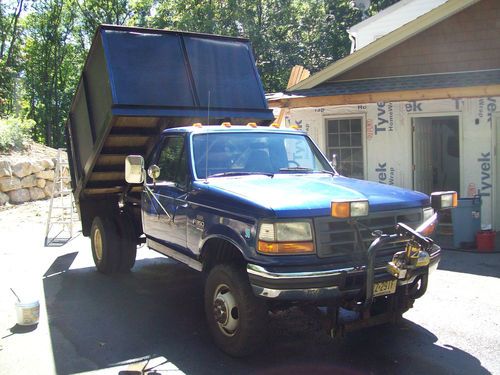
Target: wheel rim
pixel 225 310
pixel 98 244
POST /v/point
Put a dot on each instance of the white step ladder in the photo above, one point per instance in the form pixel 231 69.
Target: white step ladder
pixel 62 211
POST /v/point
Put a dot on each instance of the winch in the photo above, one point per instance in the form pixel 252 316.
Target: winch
pixel 411 258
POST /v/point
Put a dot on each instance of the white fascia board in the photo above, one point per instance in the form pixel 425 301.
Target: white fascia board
pixel 387 12
pixel 399 16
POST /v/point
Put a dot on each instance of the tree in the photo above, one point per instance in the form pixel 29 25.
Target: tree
pixel 284 33
pixel 92 13
pixel 46 48
pixel 10 35
pixel 52 67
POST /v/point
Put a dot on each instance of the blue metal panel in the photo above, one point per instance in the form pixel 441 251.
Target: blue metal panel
pixel 226 70
pixel 147 69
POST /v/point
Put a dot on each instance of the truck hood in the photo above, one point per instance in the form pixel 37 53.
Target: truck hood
pixel 311 194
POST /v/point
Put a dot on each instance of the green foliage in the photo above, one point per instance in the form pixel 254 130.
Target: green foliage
pixel 53 67
pixel 14 133
pixel 284 33
pixel 378 5
pixel 43 43
pixel 10 53
pixel 92 13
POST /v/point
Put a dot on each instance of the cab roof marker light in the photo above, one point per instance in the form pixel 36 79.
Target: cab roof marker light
pixel 226 124
pixel 252 125
pixel 197 125
pixel 295 127
pixel 275 125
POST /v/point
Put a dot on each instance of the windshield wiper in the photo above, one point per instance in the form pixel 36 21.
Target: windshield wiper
pixel 296 169
pixel 306 170
pixel 225 174
pixel 329 172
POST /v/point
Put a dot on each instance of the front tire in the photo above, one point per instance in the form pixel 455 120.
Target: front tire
pixel 236 318
pixel 105 244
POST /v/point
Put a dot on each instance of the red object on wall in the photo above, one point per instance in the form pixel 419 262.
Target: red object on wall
pixel 485 240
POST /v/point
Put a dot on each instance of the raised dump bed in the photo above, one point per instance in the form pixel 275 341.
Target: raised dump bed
pixel 136 82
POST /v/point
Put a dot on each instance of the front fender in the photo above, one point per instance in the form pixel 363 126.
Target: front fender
pixel 226 233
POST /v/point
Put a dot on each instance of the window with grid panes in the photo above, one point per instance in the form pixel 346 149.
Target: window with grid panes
pixel 344 139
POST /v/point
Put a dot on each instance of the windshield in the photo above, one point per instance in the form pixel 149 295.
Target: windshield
pixel 256 153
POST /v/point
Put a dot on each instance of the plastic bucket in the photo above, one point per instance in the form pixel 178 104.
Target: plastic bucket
pixel 485 240
pixel 27 313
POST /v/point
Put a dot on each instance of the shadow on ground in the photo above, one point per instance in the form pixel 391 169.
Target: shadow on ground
pixel 156 311
pixel 483 264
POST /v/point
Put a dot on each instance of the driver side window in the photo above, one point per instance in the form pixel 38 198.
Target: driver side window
pixel 172 162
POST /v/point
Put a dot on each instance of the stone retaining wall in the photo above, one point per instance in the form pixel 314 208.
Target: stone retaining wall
pixel 23 179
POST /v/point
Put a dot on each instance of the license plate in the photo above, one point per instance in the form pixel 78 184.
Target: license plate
pixel 384 287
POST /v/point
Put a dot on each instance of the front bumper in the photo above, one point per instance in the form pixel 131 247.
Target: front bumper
pixel 331 284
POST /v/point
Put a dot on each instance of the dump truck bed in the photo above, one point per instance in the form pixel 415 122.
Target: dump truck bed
pixel 136 82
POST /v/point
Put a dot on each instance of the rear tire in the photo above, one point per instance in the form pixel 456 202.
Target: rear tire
pixel 104 241
pixel 236 318
pixel 127 244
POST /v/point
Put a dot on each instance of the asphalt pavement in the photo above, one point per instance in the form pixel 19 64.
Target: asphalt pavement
pixel 152 320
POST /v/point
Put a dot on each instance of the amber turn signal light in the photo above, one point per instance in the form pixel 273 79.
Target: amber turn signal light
pixel 285 247
pixel 347 209
pixel 341 209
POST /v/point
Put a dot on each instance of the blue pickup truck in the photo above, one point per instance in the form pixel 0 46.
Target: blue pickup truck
pixel 258 209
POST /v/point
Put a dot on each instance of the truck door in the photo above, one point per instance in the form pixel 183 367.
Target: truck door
pixel 164 201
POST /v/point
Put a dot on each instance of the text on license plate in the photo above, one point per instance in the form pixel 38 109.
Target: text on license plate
pixel 384 287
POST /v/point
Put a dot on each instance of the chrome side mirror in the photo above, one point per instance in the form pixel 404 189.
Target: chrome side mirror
pixel 154 172
pixel 134 169
pixel 334 161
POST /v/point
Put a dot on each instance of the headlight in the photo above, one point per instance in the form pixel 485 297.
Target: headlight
pixel 285 238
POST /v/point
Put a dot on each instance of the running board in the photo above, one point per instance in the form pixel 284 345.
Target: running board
pixel 174 254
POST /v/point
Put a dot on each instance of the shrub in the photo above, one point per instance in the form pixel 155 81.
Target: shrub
pixel 14 133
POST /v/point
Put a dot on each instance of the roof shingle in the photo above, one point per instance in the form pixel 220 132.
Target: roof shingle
pixel 405 83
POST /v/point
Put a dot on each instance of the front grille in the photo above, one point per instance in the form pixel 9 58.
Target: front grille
pixel 336 238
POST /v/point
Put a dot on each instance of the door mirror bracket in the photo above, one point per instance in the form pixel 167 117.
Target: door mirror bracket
pixel 154 172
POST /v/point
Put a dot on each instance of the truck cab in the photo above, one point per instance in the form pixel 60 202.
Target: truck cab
pixel 264 214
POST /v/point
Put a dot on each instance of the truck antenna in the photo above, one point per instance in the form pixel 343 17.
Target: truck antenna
pixel 208 110
pixel 206 143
